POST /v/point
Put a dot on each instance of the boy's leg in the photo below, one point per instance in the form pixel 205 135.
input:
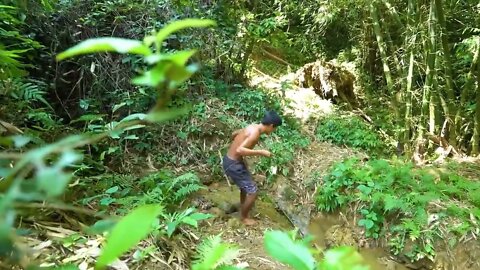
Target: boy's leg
pixel 240 175
pixel 243 195
pixel 246 207
pixel 249 188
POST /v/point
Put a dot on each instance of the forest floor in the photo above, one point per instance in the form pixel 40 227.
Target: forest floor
pixel 327 230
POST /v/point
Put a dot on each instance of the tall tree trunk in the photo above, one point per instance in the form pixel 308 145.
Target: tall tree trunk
pixel 381 46
pixel 449 91
pixel 476 128
pixel 430 45
pixel 467 88
pixel 393 11
pixel 246 56
pixel 409 98
pixel 410 41
pixel 386 70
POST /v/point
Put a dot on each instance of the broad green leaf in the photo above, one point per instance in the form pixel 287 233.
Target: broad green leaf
pixel 118 106
pixel 180 58
pixel 200 216
pixel 88 117
pixel 190 221
pixel 7 7
pixel 281 247
pixel 134 127
pixel 130 230
pixel 112 190
pixel 68 158
pixel 162 116
pixel 131 137
pixel 152 77
pixel 101 226
pixel 179 74
pixel 107 201
pixel 106 44
pixel 135 116
pixel 52 180
pixel 182 24
pixel 115 134
pixel 171 227
pixel 367 223
pixel 343 258
pixel 20 140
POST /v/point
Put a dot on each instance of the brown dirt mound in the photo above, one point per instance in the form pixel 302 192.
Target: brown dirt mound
pixel 329 81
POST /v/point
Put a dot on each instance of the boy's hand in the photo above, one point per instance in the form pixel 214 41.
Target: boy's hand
pixel 265 153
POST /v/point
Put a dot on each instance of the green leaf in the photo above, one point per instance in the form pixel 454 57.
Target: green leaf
pixel 131 137
pixel 162 116
pixel 171 227
pixel 106 44
pixel 68 158
pixel 343 258
pixel 135 116
pixel 367 223
pixel 130 230
pixel 7 7
pixel 179 58
pixel 152 77
pixel 200 216
pixel 364 189
pixel 101 226
pixel 20 140
pixel 107 201
pixel 281 247
pixel 52 180
pixel 190 221
pixel 88 118
pixel 118 106
pixel 179 74
pixel 134 127
pixel 179 25
pixel 112 190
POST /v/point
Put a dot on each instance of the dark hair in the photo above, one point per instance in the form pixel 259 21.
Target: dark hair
pixel 272 118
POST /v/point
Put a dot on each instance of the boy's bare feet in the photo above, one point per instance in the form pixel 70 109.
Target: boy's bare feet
pixel 248 221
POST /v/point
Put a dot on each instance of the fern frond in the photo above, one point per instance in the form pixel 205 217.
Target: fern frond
pixel 394 203
pixel 212 253
pixel 184 191
pixel 30 91
pixel 188 178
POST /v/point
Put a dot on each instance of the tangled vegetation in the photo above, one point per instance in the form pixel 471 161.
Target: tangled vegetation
pixel 114 117
pixel 417 205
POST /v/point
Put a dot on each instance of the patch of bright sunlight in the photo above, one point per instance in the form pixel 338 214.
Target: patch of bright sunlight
pixel 301 103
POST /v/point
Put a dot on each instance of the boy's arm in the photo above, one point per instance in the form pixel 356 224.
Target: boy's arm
pixel 244 151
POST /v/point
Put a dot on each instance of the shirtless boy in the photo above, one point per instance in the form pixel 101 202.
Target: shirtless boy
pixel 244 140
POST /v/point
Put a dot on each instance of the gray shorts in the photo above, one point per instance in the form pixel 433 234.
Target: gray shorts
pixel 238 172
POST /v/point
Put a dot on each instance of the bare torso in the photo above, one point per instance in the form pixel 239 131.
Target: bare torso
pixel 242 135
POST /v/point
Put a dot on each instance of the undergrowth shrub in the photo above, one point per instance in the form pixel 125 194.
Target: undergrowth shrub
pixel 282 144
pixel 350 131
pixel 417 205
pixel 250 104
pixel 124 193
